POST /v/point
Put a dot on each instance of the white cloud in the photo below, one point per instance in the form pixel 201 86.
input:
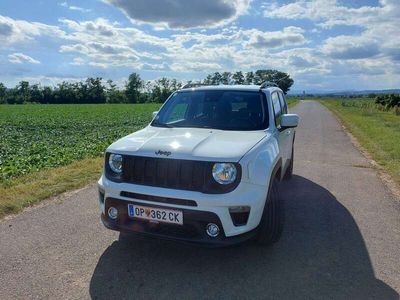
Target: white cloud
pixel 182 13
pixel 288 37
pixel 350 47
pixel 73 7
pixel 18 31
pixel 19 58
pixel 327 12
pixel 196 67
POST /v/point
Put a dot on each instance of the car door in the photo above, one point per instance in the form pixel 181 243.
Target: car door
pixel 283 135
pixel 289 131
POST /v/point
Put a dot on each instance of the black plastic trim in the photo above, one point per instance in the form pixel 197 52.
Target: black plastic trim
pixel 275 170
pixel 159 199
pixel 239 218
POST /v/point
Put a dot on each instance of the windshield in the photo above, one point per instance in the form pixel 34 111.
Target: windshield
pixel 227 110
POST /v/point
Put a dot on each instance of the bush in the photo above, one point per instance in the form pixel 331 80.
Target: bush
pixel 388 101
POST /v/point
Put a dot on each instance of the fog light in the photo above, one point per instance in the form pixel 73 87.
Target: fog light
pixel 113 213
pixel 212 230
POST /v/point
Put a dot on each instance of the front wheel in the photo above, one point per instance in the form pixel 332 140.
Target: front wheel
pixel 271 225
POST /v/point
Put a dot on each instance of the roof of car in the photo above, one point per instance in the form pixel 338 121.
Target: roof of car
pixel 237 87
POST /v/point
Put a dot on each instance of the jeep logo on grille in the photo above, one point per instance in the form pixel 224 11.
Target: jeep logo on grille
pixel 166 153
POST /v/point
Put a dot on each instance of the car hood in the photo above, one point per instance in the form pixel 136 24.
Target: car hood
pixel 188 143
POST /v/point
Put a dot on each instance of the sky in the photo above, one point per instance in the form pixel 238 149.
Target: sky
pixel 325 45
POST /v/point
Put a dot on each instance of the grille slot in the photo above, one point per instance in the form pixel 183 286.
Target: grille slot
pixel 158 199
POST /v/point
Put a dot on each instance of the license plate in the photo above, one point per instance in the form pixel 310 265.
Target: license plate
pixel 156 214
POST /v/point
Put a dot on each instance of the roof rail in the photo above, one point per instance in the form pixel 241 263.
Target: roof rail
pixel 193 85
pixel 267 84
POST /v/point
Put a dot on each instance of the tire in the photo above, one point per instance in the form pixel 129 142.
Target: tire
pixel 289 171
pixel 271 225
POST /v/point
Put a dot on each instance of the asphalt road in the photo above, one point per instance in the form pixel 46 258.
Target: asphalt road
pixel 341 240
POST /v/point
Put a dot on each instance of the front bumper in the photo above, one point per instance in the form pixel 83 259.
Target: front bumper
pixel 246 194
pixel 193 230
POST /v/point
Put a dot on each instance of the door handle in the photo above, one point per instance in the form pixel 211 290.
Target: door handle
pixel 288 132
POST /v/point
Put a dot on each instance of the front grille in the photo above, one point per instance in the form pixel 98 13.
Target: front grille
pixel 168 173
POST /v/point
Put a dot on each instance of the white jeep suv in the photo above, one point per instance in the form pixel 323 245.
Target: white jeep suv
pixel 206 168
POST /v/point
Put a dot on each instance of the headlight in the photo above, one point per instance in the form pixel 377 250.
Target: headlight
pixel 224 173
pixel 115 163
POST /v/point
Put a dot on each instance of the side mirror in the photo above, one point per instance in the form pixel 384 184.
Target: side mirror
pixel 154 114
pixel 289 121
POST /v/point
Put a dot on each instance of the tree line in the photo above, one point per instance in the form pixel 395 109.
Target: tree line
pixel 135 90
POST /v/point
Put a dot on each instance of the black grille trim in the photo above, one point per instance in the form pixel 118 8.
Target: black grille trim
pixel 159 199
pixel 173 174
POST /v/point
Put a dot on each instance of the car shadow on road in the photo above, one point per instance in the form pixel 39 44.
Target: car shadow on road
pixel 321 255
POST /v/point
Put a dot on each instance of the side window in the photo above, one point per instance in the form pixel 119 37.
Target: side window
pixel 283 103
pixel 277 108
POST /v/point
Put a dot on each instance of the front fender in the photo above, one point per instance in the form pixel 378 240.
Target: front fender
pixel 261 162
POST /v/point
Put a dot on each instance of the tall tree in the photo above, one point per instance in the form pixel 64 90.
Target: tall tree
pixel 282 79
pixel 216 78
pixel 95 91
pixel 226 78
pixel 133 87
pixel 22 92
pixel 238 78
pixel 208 79
pixel 66 92
pixel 249 78
pixel 3 91
pixel 163 88
pixel 113 94
pixel 36 93
pixel 48 95
pixel 146 95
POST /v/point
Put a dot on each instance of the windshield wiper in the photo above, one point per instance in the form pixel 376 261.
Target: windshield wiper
pixel 162 125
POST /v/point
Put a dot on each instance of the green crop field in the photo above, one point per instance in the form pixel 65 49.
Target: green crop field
pixel 35 137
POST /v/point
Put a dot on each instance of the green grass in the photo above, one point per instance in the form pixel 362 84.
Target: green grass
pixel 376 130
pixel 32 188
pixel 292 102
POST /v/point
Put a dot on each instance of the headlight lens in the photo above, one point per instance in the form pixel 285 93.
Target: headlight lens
pixel 115 163
pixel 224 173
